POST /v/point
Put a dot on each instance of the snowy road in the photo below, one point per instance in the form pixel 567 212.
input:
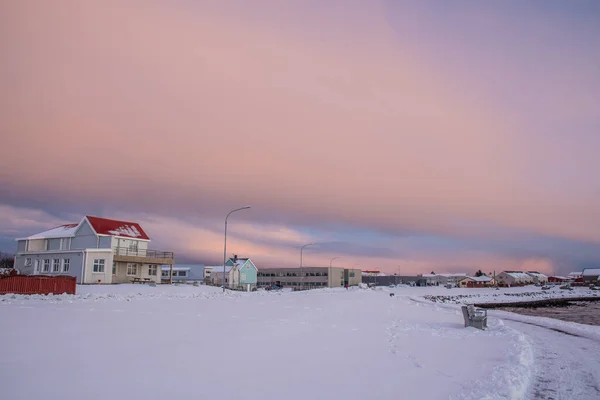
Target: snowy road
pixel 565 366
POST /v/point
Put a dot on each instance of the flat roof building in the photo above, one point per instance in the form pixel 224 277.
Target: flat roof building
pixel 309 278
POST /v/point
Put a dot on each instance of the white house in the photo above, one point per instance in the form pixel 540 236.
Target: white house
pixel 476 281
pixel 538 277
pixel 591 275
pixel 232 276
pixel 95 250
pixel 514 278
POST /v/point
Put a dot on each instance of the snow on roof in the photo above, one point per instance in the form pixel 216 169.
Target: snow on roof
pixel 517 274
pixel 168 268
pixel 591 272
pixel 574 275
pixel 105 226
pixel 482 278
pixel 536 274
pixel 444 275
pixel 219 268
pixel 63 231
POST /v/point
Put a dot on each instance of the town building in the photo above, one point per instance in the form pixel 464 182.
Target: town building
pixel 513 278
pixel 591 275
pixel 387 280
pixel 476 281
pixel 183 273
pixel 444 279
pixel 574 276
pixel 309 277
pixel 207 273
pixel 538 277
pixel 240 274
pixel 558 279
pixel 95 250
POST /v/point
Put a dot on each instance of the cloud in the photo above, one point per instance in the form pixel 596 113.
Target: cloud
pixel 271 245
pixel 457 128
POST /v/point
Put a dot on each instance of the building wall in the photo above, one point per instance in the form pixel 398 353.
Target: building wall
pixel 290 277
pixel 54 244
pixel 21 245
pixel 85 238
pixel 248 273
pixel 354 277
pixel 37 245
pixel 142 272
pixel 105 242
pixel 75 257
pixel 93 277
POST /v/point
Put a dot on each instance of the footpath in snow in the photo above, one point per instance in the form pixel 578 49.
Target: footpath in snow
pixel 129 341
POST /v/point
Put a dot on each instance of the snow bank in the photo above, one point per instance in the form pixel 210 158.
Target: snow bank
pixel 126 292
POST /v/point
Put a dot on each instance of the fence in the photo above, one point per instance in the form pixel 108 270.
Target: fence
pixel 37 284
pixel 146 253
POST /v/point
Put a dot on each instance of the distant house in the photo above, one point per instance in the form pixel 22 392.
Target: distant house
pixel 444 279
pixel 558 279
pixel 591 275
pixel 538 277
pixel 574 276
pixel 514 278
pixel 183 273
pixel 247 271
pixel 95 250
pixel 240 273
pixel 231 276
pixel 476 281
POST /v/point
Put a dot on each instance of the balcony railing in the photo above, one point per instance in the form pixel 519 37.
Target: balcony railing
pixel 146 253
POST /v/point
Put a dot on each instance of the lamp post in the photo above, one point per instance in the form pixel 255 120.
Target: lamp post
pixel 301 272
pixel 329 278
pixel 225 244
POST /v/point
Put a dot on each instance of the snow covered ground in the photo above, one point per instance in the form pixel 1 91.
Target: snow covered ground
pixel 134 341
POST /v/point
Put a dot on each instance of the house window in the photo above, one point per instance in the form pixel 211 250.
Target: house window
pixel 131 269
pixel 46 265
pixel 36 268
pixel 28 262
pixel 152 270
pixel 99 265
pixel 165 274
pixel 114 268
pixel 56 265
pixel 66 265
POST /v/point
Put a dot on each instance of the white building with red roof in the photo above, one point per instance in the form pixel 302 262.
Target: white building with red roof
pixel 95 250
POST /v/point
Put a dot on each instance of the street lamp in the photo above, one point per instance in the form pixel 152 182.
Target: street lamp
pixel 329 278
pixel 225 245
pixel 301 273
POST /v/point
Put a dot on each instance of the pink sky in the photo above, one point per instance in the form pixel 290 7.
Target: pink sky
pixel 314 112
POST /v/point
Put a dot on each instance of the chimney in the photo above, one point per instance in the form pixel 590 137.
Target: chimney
pixel 234 258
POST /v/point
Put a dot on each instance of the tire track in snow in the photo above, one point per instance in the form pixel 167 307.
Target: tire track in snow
pixel 566 366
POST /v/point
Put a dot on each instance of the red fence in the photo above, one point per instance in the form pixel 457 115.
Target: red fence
pixel 37 284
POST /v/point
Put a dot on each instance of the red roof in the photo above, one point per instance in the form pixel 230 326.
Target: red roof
pixel 104 226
